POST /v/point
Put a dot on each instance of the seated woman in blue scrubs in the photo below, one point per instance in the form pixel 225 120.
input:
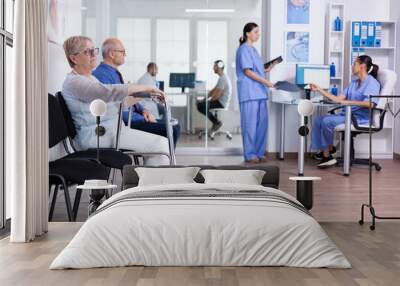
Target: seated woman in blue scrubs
pixel 356 94
pixel 252 87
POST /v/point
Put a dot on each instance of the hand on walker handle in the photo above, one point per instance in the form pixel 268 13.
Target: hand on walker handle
pixel 159 94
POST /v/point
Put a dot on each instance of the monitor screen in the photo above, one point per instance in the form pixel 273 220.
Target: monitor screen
pixel 160 85
pixel 317 74
pixel 181 80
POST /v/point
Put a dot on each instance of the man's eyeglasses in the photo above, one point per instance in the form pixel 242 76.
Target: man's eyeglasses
pixel 121 51
pixel 90 52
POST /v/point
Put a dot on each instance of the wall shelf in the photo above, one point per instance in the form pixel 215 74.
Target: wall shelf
pixel 334 49
pixel 385 57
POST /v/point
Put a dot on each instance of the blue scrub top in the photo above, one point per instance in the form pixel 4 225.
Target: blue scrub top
pixel 370 86
pixel 247 57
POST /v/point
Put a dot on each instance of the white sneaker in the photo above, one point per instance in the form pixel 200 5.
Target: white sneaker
pixel 327 162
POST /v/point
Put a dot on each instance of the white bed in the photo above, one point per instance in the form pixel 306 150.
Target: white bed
pixel 183 230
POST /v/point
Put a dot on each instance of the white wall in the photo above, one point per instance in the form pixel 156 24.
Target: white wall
pixel 275 22
pixel 272 28
pixel 274 37
pixel 395 16
pixel 69 24
pixel 245 11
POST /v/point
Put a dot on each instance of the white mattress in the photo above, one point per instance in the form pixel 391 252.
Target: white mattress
pixel 205 231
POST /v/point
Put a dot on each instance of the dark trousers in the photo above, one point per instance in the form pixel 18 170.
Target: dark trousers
pixel 158 128
pixel 202 108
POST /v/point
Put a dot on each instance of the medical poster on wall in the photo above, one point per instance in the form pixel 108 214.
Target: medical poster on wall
pixel 298 12
pixel 297 47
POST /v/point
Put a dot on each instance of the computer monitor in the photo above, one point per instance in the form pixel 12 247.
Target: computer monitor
pixel 182 80
pixel 160 85
pixel 317 74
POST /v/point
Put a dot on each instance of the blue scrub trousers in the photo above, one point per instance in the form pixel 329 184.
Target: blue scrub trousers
pixel 323 130
pixel 254 124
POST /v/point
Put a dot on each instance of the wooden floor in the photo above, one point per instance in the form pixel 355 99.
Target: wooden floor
pixel 337 198
pixel 375 257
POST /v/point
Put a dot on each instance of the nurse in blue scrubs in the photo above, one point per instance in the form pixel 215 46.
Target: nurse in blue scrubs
pixel 252 87
pixel 356 94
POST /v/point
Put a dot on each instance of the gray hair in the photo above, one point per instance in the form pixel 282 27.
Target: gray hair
pixel 107 46
pixel 74 45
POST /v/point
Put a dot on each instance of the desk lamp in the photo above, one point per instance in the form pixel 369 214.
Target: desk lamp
pixel 98 108
pixel 305 108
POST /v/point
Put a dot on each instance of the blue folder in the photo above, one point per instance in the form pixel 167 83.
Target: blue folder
pixel 364 34
pixel 356 34
pixel 378 34
pixel 371 34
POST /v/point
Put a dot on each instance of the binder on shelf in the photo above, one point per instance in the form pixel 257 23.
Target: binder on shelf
pixel 371 34
pixel 364 34
pixel 378 34
pixel 356 33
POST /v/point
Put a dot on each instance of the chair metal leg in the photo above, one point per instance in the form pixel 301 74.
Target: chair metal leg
pixel 67 200
pixel 53 201
pixel 112 175
pixel 122 176
pixel 77 201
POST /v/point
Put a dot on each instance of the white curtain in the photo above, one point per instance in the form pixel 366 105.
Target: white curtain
pixel 26 119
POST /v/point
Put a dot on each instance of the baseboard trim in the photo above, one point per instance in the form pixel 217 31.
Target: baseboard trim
pixel 237 151
pixel 220 151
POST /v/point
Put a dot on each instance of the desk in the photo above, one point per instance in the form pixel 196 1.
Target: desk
pixel 189 103
pixel 302 140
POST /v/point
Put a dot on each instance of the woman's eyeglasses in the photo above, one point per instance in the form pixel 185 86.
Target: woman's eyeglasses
pixel 90 52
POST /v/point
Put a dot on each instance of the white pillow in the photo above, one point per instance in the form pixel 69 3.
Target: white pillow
pixel 166 176
pixel 248 177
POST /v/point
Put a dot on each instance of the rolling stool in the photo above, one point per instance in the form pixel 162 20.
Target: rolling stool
pixel 212 134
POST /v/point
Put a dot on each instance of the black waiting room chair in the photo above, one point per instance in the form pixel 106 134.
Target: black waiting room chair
pixel 68 171
pixel 109 157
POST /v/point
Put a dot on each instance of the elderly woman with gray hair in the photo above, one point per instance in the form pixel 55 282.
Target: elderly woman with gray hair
pixel 80 88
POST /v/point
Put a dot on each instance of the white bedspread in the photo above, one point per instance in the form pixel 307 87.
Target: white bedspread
pixel 201 231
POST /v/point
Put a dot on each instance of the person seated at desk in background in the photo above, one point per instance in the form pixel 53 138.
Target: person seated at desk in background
pixel 149 79
pixel 218 97
pixel 107 72
pixel 356 94
pixel 80 88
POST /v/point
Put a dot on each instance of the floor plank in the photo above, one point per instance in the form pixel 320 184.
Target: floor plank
pixel 337 198
pixel 375 257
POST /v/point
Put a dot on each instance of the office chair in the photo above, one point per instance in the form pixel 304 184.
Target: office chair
pixel 227 133
pixel 212 134
pixel 387 79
